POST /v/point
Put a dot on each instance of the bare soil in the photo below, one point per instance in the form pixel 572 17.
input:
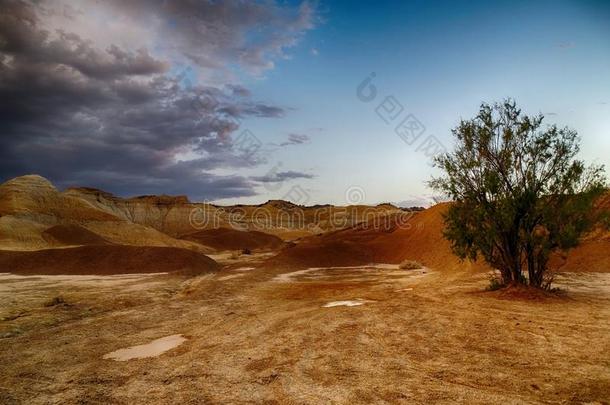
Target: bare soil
pixel 74 235
pixel 106 259
pixel 255 336
pixel 233 239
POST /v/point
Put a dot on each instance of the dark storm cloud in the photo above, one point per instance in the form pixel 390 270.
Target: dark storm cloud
pixel 256 110
pixel 296 139
pixel 20 37
pixel 81 113
pixel 282 176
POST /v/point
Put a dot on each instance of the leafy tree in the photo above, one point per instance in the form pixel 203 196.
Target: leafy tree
pixel 519 192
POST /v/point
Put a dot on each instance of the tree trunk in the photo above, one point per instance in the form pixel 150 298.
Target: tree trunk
pixel 506 275
pixel 536 266
pixel 541 264
pixel 531 264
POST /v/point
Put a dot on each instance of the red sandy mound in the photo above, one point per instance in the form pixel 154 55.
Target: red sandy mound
pixel 419 238
pixel 232 239
pixel 73 235
pixel 523 293
pixel 333 253
pixel 589 256
pixel 592 254
pixel 106 260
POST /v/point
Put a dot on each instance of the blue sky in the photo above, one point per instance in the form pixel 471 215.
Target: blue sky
pixel 440 60
pixel 96 96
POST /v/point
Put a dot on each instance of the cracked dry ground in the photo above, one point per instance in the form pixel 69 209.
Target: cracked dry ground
pixel 421 336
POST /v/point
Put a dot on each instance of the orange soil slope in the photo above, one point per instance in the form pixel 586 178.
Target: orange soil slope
pixel 589 256
pixel 233 239
pixel 421 239
pixel 106 260
pixel 72 235
pixel 593 253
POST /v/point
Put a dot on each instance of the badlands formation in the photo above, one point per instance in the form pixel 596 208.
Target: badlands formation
pixel 156 299
pixel 35 216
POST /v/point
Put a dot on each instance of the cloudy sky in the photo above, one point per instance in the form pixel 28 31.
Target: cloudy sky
pixel 318 102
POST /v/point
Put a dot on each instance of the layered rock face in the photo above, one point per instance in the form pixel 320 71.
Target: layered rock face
pixel 34 215
pixel 177 216
pixel 31 205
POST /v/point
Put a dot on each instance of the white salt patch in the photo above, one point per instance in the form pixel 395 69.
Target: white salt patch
pixel 245 268
pixel 220 256
pixel 152 349
pixel 288 277
pixel 342 304
pixel 348 303
pixel 231 276
pixel 383 266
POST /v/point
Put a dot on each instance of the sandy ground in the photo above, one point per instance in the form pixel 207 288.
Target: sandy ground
pixel 265 336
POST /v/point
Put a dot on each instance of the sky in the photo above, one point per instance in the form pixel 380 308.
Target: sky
pixel 335 102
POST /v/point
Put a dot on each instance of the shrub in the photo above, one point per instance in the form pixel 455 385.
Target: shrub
pixel 519 192
pixel 410 265
pixel 495 283
pixel 59 300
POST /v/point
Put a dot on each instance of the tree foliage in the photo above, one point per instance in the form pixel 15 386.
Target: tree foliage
pixel 519 191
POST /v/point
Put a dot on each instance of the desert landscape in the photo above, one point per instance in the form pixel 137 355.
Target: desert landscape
pixel 304 202
pixel 329 317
